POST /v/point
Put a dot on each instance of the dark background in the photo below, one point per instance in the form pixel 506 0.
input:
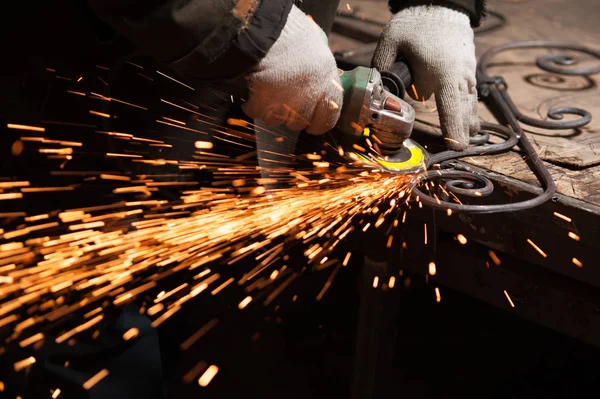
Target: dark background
pixel 458 348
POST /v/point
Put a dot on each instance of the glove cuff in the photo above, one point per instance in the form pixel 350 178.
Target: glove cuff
pixel 296 24
pixel 474 9
pixel 294 35
pixel 444 15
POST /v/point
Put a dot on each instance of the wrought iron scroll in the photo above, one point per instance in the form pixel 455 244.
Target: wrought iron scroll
pixel 494 92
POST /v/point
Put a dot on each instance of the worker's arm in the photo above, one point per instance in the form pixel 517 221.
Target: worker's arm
pixel 199 38
pixel 436 37
pixel 292 75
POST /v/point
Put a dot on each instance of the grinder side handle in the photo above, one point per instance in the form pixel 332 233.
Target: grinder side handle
pixel 398 78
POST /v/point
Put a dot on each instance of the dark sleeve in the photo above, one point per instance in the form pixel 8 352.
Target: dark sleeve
pixel 475 9
pixel 199 38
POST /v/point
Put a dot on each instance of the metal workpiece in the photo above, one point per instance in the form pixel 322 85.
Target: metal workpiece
pixel 477 185
pixel 494 92
pixel 557 63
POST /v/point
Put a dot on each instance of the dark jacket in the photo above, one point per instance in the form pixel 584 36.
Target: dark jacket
pixel 223 38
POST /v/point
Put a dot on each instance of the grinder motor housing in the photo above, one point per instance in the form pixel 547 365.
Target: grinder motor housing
pixel 370 104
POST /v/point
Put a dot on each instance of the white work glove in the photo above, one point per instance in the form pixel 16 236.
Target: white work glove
pixel 297 83
pixel 438 45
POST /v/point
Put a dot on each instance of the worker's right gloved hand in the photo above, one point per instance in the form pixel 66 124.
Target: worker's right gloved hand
pixel 438 44
pixel 297 83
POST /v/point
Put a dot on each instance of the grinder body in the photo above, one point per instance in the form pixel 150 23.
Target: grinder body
pixel 376 120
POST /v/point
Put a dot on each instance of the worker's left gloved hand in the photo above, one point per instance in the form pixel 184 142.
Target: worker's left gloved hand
pixel 438 45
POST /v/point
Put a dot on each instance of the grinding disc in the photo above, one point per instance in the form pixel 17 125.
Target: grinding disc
pixel 410 158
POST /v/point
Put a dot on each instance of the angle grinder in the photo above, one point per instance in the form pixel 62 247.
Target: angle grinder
pixel 375 123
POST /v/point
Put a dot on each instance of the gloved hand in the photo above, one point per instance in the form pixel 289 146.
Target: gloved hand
pixel 297 83
pixel 438 45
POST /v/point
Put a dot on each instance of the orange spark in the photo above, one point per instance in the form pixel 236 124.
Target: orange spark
pixel 79 93
pixel 102 114
pixel 174 120
pixel 31 340
pixel 537 248
pixel 22 364
pixel 512 305
pixel 114 177
pixel 359 148
pixel 10 196
pixel 244 302
pixel 208 375
pixel 205 145
pixel 175 80
pixel 222 286
pixel 12 184
pixel 392 282
pixel 494 258
pixel 25 127
pixel 563 217
pixel 131 333
pixel 185 345
pixel 338 86
pixel 414 89
pixel 112 154
pixel 389 241
pixel 432 268
pixel 89 384
pixel 346 259
pixel 237 122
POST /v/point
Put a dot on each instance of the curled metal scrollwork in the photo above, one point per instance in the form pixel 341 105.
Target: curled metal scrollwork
pixel 558 63
pixel 469 184
pixel 494 92
pixel 554 114
pixel 554 63
pixel 477 185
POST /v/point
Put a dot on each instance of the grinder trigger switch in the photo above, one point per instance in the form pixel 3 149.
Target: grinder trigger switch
pixel 391 104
